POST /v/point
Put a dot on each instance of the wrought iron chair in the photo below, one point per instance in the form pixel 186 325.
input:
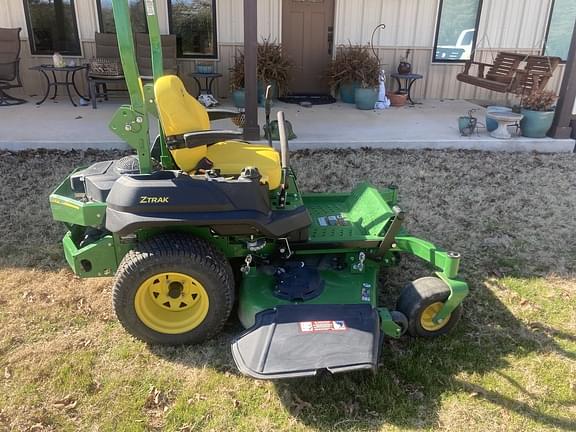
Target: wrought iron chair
pixel 9 65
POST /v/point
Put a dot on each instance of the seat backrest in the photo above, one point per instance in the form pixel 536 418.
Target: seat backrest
pixel 9 52
pixel 107 45
pixel 179 112
pixel 144 54
pixel 504 67
pixel 539 70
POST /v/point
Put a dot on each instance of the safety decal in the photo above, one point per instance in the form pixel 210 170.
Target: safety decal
pixel 322 326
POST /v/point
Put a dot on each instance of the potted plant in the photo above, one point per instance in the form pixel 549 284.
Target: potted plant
pixel 345 71
pixel 274 69
pixel 405 67
pixel 366 95
pixel 538 111
pixel 237 82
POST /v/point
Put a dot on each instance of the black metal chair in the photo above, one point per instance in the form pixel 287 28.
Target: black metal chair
pixel 9 65
pixel 107 54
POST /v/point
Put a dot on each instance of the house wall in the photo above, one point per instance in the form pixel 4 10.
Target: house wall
pixel 511 25
pixel 515 25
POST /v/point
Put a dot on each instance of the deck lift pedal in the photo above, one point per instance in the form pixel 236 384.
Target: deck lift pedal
pixel 212 221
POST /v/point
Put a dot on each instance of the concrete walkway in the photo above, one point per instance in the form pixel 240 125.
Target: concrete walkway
pixel 432 124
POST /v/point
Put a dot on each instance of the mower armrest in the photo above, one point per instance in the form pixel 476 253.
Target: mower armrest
pixel 197 139
pixel 219 114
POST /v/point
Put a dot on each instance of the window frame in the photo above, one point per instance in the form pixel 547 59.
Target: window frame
pixel 101 21
pixel 30 31
pixel 179 54
pixel 548 24
pixel 437 32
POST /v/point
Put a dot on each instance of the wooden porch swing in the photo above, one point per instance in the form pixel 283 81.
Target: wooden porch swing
pixel 511 73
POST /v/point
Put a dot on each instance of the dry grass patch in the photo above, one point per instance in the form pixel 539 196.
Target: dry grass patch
pixel 66 364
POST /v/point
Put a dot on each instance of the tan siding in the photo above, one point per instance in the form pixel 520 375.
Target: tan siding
pixel 517 25
pixel 513 25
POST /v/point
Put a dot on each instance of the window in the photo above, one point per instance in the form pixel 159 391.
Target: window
pixel 456 30
pixel 194 24
pixel 52 27
pixel 560 27
pixel 106 16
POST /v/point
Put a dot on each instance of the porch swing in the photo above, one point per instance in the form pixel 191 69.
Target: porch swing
pixel 510 72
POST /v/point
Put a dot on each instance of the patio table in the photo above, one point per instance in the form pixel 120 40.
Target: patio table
pixel 209 79
pixel 49 72
pixel 409 80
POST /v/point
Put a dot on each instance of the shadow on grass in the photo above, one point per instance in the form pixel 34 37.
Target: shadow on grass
pixel 414 374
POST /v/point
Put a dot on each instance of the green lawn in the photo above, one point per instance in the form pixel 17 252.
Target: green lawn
pixel 66 364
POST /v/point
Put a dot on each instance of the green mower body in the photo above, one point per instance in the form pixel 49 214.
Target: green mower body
pixel 303 268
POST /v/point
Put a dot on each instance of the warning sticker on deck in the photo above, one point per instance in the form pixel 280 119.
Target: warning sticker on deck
pixel 333 220
pixel 322 326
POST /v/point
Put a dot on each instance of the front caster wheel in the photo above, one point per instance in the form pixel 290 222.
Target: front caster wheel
pixel 420 301
pixel 172 290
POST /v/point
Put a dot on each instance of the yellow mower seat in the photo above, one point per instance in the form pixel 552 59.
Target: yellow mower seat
pixel 180 113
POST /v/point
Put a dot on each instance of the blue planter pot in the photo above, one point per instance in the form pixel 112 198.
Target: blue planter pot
pixel 347 92
pixel 536 124
pixel 492 124
pixel 239 98
pixel 365 98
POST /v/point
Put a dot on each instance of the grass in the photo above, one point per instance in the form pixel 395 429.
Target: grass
pixel 66 364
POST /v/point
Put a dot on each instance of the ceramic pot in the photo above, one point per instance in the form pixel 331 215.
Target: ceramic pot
pixel 239 98
pixel 347 91
pixel 398 99
pixel 365 98
pixel 536 124
pixel 404 67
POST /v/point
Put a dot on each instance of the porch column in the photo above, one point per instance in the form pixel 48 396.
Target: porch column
pixel 564 125
pixel 251 128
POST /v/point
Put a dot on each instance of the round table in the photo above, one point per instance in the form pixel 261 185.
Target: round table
pixel 504 120
pixel 409 80
pixel 70 73
pixel 208 81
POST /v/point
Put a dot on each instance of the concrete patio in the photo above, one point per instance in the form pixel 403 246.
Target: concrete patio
pixel 431 124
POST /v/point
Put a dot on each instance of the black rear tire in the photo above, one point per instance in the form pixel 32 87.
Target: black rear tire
pixel 180 254
pixel 418 298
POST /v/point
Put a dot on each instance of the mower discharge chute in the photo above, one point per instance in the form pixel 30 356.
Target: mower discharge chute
pixel 201 221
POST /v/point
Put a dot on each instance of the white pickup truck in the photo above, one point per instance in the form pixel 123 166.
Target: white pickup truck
pixel 462 50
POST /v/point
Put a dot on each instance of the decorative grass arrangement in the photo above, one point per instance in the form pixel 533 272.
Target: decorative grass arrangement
pixel 354 63
pixel 540 101
pixel 273 66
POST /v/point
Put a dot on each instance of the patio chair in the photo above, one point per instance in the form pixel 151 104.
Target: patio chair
pixel 143 55
pixel 506 74
pixel 105 68
pixel 9 65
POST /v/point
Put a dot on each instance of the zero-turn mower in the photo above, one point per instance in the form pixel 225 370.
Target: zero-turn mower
pixel 200 221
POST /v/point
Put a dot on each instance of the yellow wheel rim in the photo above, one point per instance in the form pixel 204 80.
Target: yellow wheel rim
pixel 429 313
pixel 171 303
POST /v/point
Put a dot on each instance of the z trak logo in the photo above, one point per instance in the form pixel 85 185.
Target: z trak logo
pixel 153 200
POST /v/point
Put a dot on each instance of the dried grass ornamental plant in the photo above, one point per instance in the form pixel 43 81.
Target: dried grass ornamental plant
pixel 540 101
pixel 273 67
pixel 354 63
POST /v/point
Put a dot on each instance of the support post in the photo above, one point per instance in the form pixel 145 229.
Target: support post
pixel 251 128
pixel 564 125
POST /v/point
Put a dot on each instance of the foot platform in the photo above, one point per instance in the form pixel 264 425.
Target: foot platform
pixel 292 341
